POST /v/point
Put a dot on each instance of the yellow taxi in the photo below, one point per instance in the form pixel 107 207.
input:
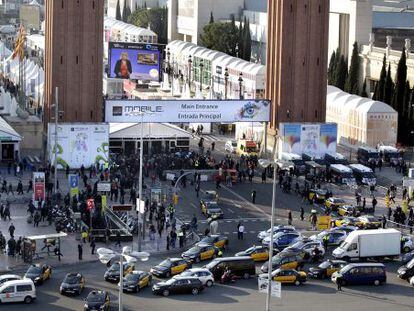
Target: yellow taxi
pixel 326 269
pixel 368 222
pixel 216 240
pixel 346 210
pixel 287 260
pixel 288 276
pixel 347 221
pixel 136 280
pixel 257 253
pixel 38 273
pixel 317 195
pixel 334 203
pixel 200 252
pixel 170 266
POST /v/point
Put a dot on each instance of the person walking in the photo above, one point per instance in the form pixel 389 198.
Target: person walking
pixel 213 146
pixel 12 228
pixel 80 251
pixel 302 213
pixel 290 218
pixel 254 196
pixel 240 231
pixel 93 245
pixel 339 283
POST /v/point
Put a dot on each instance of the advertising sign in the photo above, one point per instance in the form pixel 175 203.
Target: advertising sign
pixel 140 61
pixel 73 185
pixel 276 287
pixel 90 204
pixel 315 139
pixel 78 144
pixel 39 186
pixel 183 111
pixel 103 187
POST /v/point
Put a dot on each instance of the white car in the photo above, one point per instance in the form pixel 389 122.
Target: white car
pixel 308 246
pixel 281 228
pixel 408 244
pixel 9 277
pixel 204 275
pixel 231 146
pixel 412 281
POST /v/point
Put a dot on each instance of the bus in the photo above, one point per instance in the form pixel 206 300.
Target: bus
pixel 341 174
pixel 390 154
pixel 309 157
pixel 363 174
pixel 367 155
pixel 335 158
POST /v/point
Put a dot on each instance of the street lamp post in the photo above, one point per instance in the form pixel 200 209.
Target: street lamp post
pixel 105 255
pixel 201 74
pixel 168 65
pixel 190 61
pixel 226 81
pixel 240 85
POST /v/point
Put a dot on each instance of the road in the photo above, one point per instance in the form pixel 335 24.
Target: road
pixel 235 201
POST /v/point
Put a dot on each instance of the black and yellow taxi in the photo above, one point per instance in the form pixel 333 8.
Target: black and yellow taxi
pixel 38 273
pixel 169 267
pixel 97 300
pixel 112 274
pixel 347 221
pixel 317 195
pixel 201 252
pixel 212 210
pixel 73 283
pixel 369 222
pixel 326 269
pixel 334 203
pixel 287 260
pixel 288 276
pixel 215 239
pixel 136 280
pixel 256 252
pixel 347 210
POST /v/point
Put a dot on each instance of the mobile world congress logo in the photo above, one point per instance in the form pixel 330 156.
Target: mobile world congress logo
pixel 133 110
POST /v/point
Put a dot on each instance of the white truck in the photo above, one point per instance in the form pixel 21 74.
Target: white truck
pixel 362 244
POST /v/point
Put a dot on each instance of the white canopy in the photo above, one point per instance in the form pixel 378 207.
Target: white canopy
pixel 152 130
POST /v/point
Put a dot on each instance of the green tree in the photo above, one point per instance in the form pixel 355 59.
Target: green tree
pixel 388 87
pixel 126 13
pixel 351 85
pixel 341 73
pixel 379 86
pixel 221 37
pixel 364 89
pixel 118 15
pixel 211 18
pixel 156 19
pixel 399 94
pixel 331 69
pixel 247 42
pixel 411 119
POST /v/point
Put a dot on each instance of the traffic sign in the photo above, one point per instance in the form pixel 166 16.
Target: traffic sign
pixel 276 287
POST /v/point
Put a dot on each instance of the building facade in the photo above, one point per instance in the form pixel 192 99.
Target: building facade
pixel 297 60
pixel 30 16
pixel 74 60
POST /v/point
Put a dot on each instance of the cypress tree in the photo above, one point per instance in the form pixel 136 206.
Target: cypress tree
pixel 125 13
pixel 375 91
pixel 331 69
pixel 247 49
pixel 388 87
pixel 341 73
pixel 351 85
pixel 379 91
pixel 407 98
pixel 398 98
pixel 364 89
pixel 211 18
pixel 337 63
pixel 118 12
pixel 411 118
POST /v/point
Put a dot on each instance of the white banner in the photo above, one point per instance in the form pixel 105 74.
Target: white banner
pixel 187 111
pixel 276 287
pixel 103 187
pixel 79 143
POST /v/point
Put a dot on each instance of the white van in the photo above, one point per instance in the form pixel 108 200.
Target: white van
pixel 18 291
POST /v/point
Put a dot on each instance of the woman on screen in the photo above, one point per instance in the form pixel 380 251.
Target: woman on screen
pixel 123 68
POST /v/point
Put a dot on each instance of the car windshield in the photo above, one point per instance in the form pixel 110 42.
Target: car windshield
pixel 298 244
pixel 194 250
pixel 344 245
pixel 71 279
pixel 410 264
pixel 339 201
pixel 165 263
pixel 132 277
pixel 234 143
pixel 207 239
pixel 34 270
pixel 324 265
pixel 96 298
pixel 170 281
pixel 114 267
pixel 250 250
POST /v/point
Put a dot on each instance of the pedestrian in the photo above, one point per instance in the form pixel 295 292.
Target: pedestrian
pixel 118 238
pixel 364 203
pixel 325 241
pixel 254 196
pixel 302 213
pixel 12 228
pixel 240 231
pixel 93 245
pixel 384 221
pixel 374 204
pixel 339 283
pixel 213 145
pixel 410 224
pixel 168 242
pixel 80 251
pixel 263 176
pixel 290 219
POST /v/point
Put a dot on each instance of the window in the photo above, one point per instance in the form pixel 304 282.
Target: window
pixel 8 290
pixel 352 247
pixel 23 288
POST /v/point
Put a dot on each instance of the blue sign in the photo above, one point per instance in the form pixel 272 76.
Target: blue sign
pixel 73 185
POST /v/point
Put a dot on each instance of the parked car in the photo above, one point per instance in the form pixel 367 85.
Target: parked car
pixel 336 237
pixel 136 280
pixel 282 239
pixel 112 274
pixel 9 277
pixel 306 245
pixel 256 252
pixel 406 271
pixel 73 283
pixel 170 266
pixel 286 260
pixel 407 244
pixel 334 203
pixel 288 276
pixel 97 300
pixel 216 239
pixel 361 273
pixel 326 269
pixel 369 222
pixel 200 252
pixel 242 267
pixel 38 273
pixel 276 229
pixel 203 274
pixel 179 285
pixel 18 291
pixel 404 258
pixel 231 146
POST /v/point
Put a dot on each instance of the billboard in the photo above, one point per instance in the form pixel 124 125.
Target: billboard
pixel 140 61
pixel 39 192
pixel 78 143
pixel 187 111
pixel 315 139
pixel 73 185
